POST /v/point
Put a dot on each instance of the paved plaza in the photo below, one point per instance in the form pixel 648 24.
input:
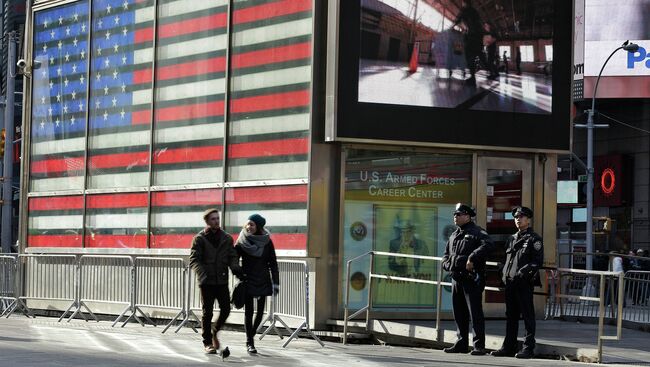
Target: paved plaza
pixel 45 342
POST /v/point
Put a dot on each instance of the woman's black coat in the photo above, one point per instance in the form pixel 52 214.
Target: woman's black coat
pixel 260 271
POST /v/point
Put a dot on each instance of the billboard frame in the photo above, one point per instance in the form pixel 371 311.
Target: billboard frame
pixel 348 120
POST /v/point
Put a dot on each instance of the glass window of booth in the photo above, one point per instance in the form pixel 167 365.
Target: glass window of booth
pixel 55 221
pixel 177 216
pixel 270 90
pixel 400 202
pixel 190 92
pixel 116 220
pixel 59 91
pixel 119 105
pixel 283 207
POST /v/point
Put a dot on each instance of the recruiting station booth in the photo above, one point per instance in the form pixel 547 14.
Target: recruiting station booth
pixel 352 126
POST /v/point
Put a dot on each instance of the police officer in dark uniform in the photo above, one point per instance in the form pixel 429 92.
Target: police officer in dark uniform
pixel 524 258
pixel 464 258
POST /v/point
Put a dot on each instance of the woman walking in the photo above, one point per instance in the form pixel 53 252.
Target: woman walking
pixel 260 265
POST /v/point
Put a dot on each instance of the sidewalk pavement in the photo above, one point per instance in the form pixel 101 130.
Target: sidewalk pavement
pixel 574 340
pixel 45 342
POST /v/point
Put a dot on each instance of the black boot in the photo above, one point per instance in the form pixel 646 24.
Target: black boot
pixel 525 354
pixel 250 347
pixel 456 349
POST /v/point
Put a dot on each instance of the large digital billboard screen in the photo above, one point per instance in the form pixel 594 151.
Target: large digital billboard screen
pixel 486 73
pixel 609 23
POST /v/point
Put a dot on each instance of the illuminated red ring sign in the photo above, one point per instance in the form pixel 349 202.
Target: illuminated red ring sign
pixel 608 181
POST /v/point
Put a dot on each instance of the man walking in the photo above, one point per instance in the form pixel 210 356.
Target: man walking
pixel 524 258
pixel 211 256
pixel 465 254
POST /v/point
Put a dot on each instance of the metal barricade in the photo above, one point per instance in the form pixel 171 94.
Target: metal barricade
pixel 439 283
pixel 159 282
pixel 592 290
pixel 637 294
pixel 294 278
pixel 101 279
pixel 48 277
pixel 9 300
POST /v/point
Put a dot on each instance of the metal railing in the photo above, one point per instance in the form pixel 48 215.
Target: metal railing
pixel 579 288
pixel 636 306
pixel 9 298
pixel 439 283
pixel 637 294
pixel 100 279
pixel 154 283
pixel 50 278
pixel 561 284
pixel 294 278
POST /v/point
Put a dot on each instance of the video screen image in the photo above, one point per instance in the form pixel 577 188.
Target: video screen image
pixel 487 55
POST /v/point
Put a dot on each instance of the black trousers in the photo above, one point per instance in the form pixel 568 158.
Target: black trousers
pixel 519 301
pixel 208 294
pixel 467 301
pixel 251 326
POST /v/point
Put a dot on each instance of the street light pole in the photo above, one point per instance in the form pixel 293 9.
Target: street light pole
pixel 590 126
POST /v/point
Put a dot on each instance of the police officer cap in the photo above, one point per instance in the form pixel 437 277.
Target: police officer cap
pixel 464 209
pixel 522 210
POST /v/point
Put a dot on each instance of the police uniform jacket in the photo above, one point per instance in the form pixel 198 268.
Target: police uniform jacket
pixel 524 257
pixel 467 242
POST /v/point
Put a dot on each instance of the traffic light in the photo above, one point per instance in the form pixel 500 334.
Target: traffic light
pixel 2 143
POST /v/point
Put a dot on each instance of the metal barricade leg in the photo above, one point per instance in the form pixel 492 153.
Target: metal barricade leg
pixel 272 317
pixel 187 313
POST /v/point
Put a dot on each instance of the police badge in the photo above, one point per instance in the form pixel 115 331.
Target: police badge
pixel 538 245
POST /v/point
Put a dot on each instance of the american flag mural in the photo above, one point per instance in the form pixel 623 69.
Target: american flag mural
pixel 141 91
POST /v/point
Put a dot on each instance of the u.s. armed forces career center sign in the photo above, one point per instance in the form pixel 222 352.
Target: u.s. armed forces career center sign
pixel 396 186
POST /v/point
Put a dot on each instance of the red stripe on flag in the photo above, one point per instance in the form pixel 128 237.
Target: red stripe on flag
pixel 286 241
pixel 119 160
pixel 143 35
pixel 208 22
pixel 270 102
pixel 269 148
pixel 75 164
pixel 193 68
pixel 267 11
pixel 271 194
pixel 116 241
pixel 185 155
pixel 56 203
pixel 172 241
pixel 207 197
pixel 142 76
pixel 189 112
pixel 103 201
pixel 54 240
pixel 141 117
pixel 212 65
pixel 272 55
